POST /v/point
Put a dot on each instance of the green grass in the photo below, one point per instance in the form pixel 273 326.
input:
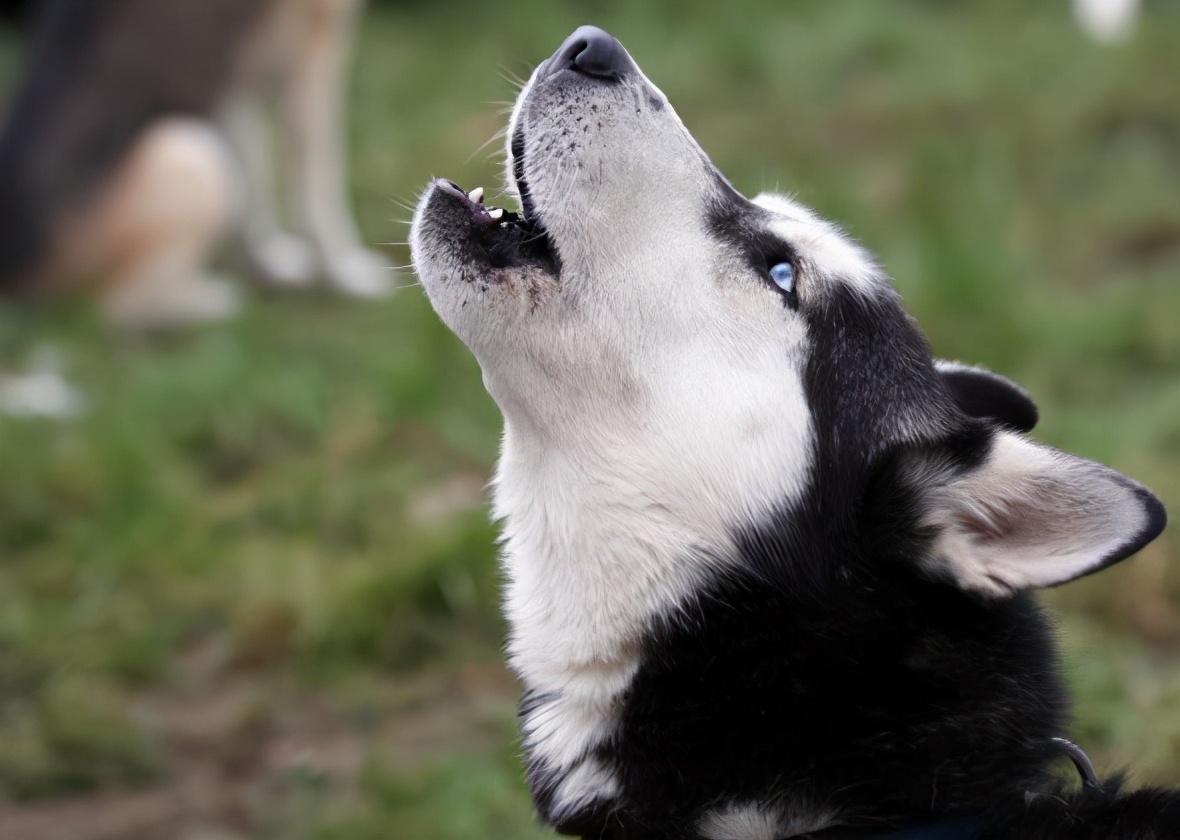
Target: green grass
pixel 284 513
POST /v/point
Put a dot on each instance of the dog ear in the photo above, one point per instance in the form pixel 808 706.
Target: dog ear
pixel 981 393
pixel 1030 516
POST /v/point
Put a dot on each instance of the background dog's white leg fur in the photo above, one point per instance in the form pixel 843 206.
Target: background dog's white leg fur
pixel 158 223
pixel 1107 20
pixel 313 115
pixel 275 256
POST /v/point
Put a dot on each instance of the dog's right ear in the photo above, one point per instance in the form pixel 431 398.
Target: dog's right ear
pixel 1028 516
pixel 981 393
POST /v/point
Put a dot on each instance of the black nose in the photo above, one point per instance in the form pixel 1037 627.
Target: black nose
pixel 592 51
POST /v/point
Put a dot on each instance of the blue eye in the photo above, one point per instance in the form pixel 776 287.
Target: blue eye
pixel 783 275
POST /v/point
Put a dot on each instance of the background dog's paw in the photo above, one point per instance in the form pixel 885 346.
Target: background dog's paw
pixel 210 299
pixel 283 260
pixel 359 272
pixel 175 303
pixel 41 390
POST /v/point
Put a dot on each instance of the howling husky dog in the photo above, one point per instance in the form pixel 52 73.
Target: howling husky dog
pixel 767 561
pixel 137 137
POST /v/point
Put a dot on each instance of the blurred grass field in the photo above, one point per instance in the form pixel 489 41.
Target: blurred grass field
pixel 254 587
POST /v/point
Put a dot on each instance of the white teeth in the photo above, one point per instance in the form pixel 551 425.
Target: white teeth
pixel 497 213
pixel 476 195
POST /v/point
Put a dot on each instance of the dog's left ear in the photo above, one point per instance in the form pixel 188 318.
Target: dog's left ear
pixel 1030 516
pixel 981 393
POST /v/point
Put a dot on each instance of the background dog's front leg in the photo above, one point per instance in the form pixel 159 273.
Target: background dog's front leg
pixel 275 256
pixel 312 114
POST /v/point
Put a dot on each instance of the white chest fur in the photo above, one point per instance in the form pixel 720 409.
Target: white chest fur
pixel 603 537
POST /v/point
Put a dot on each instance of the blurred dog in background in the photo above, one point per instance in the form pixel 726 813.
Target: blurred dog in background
pixel 141 135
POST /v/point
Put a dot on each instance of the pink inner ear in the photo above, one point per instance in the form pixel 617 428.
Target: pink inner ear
pixel 1033 517
pixel 986 522
pixel 1035 513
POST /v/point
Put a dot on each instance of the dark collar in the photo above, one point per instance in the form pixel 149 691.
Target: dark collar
pixel 969 827
pixel 1081 761
pixel 955 828
pixel 959 827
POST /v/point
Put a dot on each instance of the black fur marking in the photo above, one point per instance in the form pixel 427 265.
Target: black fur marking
pixel 984 394
pixel 14 11
pixel 887 697
pixel 743 227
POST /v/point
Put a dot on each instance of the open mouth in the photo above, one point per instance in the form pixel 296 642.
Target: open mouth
pixel 506 239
